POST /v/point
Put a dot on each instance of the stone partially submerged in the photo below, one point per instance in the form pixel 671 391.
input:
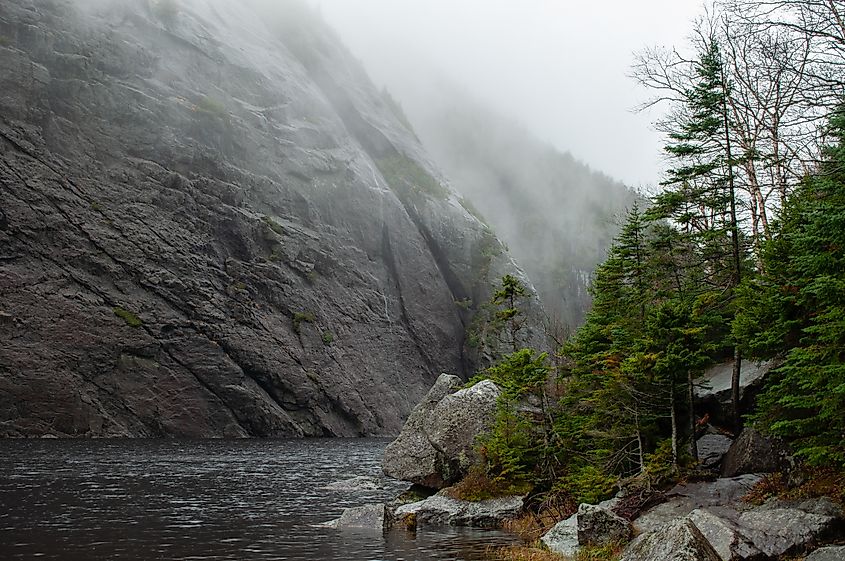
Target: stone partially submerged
pixel 376 517
pixel 437 444
pixel 443 510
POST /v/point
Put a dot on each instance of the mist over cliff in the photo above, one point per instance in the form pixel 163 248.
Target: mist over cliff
pixel 213 224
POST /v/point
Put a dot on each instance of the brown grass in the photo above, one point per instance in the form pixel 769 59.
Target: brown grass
pixel 478 486
pixel 522 553
pixel 816 482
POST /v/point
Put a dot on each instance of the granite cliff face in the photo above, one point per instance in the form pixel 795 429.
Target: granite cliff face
pixel 212 224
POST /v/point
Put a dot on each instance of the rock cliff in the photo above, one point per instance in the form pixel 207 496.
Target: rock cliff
pixel 212 224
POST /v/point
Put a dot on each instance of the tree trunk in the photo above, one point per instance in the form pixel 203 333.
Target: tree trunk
pixel 674 414
pixel 693 446
pixel 737 370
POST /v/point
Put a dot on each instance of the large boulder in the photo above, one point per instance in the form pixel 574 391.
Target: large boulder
pixel 443 510
pixel 711 449
pixel 725 536
pixel 713 389
pixel 679 541
pixel 779 528
pixel 600 526
pixel 437 444
pixel 563 537
pixel 752 452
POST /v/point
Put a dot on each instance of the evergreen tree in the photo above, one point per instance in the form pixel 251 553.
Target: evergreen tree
pixel 799 306
pixel 701 195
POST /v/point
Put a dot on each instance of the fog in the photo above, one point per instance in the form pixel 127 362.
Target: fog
pixel 558 68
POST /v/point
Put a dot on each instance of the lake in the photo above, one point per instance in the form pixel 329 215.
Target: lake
pixel 204 500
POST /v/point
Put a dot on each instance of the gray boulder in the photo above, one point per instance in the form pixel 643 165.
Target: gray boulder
pixel 412 457
pixel 685 498
pixel 711 449
pixel 753 452
pixel 600 526
pixel 443 510
pixel 725 536
pixel 367 517
pixel 713 389
pixel 563 537
pixel 831 553
pixel 437 444
pixel 679 541
pixel 779 529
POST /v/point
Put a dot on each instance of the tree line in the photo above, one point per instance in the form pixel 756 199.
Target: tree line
pixel 740 256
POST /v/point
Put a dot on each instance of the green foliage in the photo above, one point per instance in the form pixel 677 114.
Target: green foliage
pixel 800 308
pixel 300 317
pixel 408 180
pixel 213 109
pixel 131 319
pixel 587 484
pixel 465 304
pixel 328 338
pixel 518 373
pixel 273 225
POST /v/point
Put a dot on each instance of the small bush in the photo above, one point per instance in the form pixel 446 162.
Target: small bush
pixel 328 338
pixel 464 304
pixel 273 225
pixel 300 317
pixel 478 486
pixel 131 319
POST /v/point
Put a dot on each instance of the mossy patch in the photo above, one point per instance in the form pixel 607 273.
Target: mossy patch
pixel 131 319
pixel 300 317
pixel 409 180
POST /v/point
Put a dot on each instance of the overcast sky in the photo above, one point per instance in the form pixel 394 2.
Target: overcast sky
pixel 558 67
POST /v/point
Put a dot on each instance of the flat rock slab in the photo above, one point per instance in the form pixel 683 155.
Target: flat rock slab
pixel 780 529
pixel 683 499
pixel 442 510
pixel 725 537
pixel 374 517
pixel 358 483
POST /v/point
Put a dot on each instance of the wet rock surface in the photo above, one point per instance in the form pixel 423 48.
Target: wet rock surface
pixel 753 452
pixel 437 443
pixel 443 510
pixel 212 225
pixel 678 541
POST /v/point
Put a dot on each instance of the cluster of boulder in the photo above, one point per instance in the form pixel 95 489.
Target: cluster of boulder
pixel 697 521
pixel 434 451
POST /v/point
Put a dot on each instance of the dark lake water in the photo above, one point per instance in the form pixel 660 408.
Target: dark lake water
pixel 202 500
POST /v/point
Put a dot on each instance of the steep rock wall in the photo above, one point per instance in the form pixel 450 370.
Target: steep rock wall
pixel 211 224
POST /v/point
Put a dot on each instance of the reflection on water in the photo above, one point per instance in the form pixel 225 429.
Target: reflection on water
pixel 201 500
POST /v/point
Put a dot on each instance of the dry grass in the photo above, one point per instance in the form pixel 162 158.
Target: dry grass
pixel 478 486
pixel 816 482
pixel 522 553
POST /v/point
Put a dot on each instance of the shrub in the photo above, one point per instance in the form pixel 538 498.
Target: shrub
pixel 328 338
pixel 298 318
pixel 477 485
pixel 273 225
pixel 131 319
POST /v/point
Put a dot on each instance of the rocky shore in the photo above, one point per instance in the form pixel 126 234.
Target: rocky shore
pixel 707 520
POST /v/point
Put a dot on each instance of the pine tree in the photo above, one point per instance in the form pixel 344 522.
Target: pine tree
pixel 701 196
pixel 800 304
